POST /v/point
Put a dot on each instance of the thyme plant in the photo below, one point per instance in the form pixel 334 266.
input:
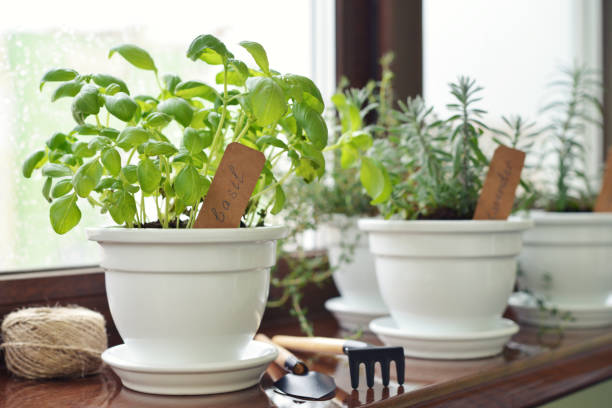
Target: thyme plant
pixel 119 154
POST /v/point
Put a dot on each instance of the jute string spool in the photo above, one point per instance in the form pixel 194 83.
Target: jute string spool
pixel 49 342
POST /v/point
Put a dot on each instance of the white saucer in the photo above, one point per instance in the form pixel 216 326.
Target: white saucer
pixel 353 318
pixel 460 346
pixel 584 317
pixel 196 379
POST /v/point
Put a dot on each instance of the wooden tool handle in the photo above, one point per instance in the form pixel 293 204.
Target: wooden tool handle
pixel 285 358
pixel 311 344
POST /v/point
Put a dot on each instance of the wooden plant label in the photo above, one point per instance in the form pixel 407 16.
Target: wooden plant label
pixel 497 195
pixel 231 188
pixel 604 199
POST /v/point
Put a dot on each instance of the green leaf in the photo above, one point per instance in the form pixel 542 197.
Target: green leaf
pixel 178 108
pixel 208 48
pixel 111 161
pixel 86 102
pixel 99 142
pixel 56 141
pixel 67 89
pixel 312 123
pixel 270 140
pixel 109 132
pixel 105 80
pixel 191 89
pixel 47 188
pixel 349 155
pixel 81 149
pixel 149 176
pixel 132 136
pixel 189 185
pixel 171 80
pixel 267 100
pixel 64 214
pixel 32 162
pixel 362 140
pixel 279 200
pixel 386 190
pixel 61 188
pixel 123 207
pixel 154 148
pixel 158 120
pixel 372 177
pixel 130 172
pixel 87 177
pixel 58 75
pixel 121 106
pixel 302 88
pixel 135 56
pixel 234 77
pixel 195 141
pixel 86 130
pixel 56 170
pixel 258 53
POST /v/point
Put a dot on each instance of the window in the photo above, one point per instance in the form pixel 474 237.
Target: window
pixel 36 36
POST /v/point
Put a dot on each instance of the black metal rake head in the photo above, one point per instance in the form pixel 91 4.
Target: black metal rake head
pixel 359 352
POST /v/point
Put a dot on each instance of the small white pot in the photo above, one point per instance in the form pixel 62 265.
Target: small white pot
pixel 567 258
pixel 445 277
pixel 187 296
pixel 355 280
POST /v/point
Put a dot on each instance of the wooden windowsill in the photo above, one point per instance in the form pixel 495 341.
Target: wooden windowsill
pixel 531 370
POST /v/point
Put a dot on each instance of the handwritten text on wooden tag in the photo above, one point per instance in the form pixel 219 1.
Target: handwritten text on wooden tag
pixel 604 199
pixel 231 188
pixel 497 195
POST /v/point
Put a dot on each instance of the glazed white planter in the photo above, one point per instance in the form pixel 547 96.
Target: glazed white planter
pixel 187 296
pixel 445 277
pixel 355 280
pixel 567 258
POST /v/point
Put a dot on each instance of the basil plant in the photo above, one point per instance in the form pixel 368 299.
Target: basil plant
pixel 119 168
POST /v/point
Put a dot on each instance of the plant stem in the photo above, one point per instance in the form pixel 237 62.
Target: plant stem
pixel 214 148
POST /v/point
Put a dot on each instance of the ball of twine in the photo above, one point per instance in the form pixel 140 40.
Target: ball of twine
pixel 49 342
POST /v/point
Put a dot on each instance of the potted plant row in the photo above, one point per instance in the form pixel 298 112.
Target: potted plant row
pixel 444 276
pixel 183 298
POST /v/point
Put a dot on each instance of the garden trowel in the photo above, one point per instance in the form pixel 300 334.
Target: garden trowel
pixel 299 381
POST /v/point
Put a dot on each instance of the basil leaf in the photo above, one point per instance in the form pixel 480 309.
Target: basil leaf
pixel 111 160
pixel 135 56
pixel 121 106
pixel 178 108
pixel 258 53
pixel 190 89
pixel 312 123
pixel 157 120
pixel 123 207
pixel 132 136
pixel 267 100
pixel 171 81
pixel 86 102
pixel 105 80
pixel 149 176
pixel 58 75
pixel 210 49
pixel 64 214
pixel 87 177
pixel 61 188
pixel 56 170
pixel 372 177
pixel 67 89
pixel 32 162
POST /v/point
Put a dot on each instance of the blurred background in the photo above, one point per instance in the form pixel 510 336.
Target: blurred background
pixel 512 47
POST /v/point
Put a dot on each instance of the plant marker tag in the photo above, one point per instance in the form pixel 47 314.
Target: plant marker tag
pixel 231 188
pixel 604 199
pixel 497 195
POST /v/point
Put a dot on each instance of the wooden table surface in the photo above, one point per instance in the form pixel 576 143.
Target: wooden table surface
pixel 532 370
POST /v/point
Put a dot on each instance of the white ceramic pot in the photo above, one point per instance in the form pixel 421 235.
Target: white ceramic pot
pixel 355 280
pixel 445 277
pixel 567 258
pixel 187 296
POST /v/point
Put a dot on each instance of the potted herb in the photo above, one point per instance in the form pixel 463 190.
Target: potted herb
pixel 181 295
pixel 566 260
pixel 444 276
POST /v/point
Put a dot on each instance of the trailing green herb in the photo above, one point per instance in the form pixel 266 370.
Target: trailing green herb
pixel 120 153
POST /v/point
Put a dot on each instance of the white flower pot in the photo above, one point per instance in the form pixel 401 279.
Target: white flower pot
pixel 445 277
pixel 187 296
pixel 567 258
pixel 355 280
